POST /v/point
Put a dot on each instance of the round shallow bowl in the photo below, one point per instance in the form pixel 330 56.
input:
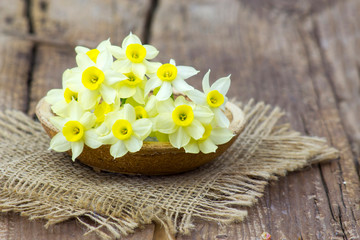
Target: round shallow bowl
pixel 154 158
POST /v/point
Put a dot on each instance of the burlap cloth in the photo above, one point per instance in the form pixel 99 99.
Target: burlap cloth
pixel 40 183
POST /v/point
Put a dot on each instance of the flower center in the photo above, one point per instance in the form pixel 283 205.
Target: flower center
pixel 208 129
pixel 93 54
pixel 135 53
pixel 100 110
pixel 183 115
pixel 92 78
pixel 73 131
pixel 70 95
pixel 140 112
pixel 122 129
pixel 132 80
pixel 215 99
pixel 167 72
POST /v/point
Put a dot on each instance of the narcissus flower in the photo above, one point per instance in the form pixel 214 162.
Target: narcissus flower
pixel 75 131
pixel 182 120
pixel 168 76
pixel 126 133
pixel 93 80
pixel 133 56
pixel 133 87
pixel 93 53
pixel 214 97
pixel 212 137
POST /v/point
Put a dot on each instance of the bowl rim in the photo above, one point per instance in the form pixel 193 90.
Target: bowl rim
pixel 44 113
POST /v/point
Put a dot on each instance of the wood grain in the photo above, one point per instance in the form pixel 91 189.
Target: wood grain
pixel 272 56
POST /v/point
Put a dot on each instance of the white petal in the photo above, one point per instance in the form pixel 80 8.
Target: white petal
pixel 151 84
pixel 118 149
pixel 108 93
pixel 112 77
pixel 179 138
pixel 150 106
pixel 180 85
pixel 152 67
pixel 139 96
pixel 60 108
pixel 75 111
pixel 130 39
pixel 164 92
pixel 129 113
pixel 122 66
pixel 104 60
pixel 91 139
pixel 142 128
pixel 205 82
pixel 133 144
pixel 192 147
pixel 126 91
pixel 111 118
pixel 104 45
pixel 166 106
pixel 222 85
pixel 80 49
pixel 196 96
pixel 186 72
pixel 172 62
pixel 203 114
pixel 83 61
pixel 74 82
pixel 164 123
pixel 139 69
pixel 59 143
pixel 87 120
pixel 151 51
pixel 207 146
pixel 221 135
pixel 117 52
pixel 181 101
pixel 58 122
pixel 88 98
pixel 54 95
pixel 76 149
pixel 108 139
pixel 221 119
pixel 195 129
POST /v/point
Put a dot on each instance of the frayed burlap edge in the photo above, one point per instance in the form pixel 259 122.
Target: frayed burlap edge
pixel 43 184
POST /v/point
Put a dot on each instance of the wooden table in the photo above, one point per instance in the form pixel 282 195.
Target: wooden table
pixel 301 55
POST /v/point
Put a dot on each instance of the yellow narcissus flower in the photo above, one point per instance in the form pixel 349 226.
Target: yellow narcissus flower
pixel 75 131
pixel 182 120
pixel 212 137
pixel 126 133
pixel 133 56
pixel 214 97
pixel 94 80
pixel 168 76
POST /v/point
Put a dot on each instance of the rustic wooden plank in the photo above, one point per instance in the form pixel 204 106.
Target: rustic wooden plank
pixel 272 57
pixel 66 22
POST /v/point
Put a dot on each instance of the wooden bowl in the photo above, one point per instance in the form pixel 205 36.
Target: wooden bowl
pixel 154 158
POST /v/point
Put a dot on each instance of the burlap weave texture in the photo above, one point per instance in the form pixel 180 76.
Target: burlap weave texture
pixel 40 183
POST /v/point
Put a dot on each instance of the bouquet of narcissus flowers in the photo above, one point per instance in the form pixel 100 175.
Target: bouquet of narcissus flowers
pixel 116 96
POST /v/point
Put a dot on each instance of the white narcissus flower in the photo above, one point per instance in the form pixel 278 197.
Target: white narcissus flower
pixel 94 80
pixel 133 87
pixel 75 131
pixel 214 97
pixel 212 137
pixel 93 53
pixel 132 56
pixel 168 76
pixel 60 98
pixel 126 133
pixel 182 120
